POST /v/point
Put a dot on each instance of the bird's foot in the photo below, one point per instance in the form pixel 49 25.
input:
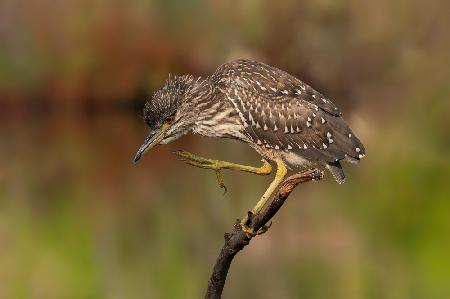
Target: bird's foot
pixel 204 163
pixel 220 181
pixel 249 231
pixel 218 165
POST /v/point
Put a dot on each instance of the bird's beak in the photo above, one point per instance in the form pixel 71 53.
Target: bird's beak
pixel 155 137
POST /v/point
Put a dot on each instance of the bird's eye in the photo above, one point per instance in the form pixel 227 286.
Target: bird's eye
pixel 170 119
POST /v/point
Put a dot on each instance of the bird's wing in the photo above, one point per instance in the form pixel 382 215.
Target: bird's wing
pixel 282 118
pixel 273 82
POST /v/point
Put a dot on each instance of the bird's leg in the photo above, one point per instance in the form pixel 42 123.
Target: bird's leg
pixel 279 177
pixel 218 165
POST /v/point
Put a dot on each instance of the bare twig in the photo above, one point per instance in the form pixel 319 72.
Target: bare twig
pixel 237 239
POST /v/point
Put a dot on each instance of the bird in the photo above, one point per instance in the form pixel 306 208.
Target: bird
pixel 287 122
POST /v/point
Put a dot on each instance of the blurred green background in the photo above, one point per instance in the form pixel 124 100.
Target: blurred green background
pixel 78 220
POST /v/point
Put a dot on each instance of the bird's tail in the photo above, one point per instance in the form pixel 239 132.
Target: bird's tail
pixel 336 170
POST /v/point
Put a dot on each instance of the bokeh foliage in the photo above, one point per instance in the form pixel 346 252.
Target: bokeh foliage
pixel 77 220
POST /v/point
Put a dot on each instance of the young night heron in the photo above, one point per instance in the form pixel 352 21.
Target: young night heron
pixel 283 119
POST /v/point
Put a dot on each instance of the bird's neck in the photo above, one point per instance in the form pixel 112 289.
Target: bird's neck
pixel 214 115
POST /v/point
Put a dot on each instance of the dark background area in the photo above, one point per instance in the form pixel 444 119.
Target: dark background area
pixel 78 220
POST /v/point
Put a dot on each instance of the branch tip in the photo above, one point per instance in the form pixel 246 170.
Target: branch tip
pixel 237 239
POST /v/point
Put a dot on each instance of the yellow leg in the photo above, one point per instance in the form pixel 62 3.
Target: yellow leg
pixel 279 177
pixel 218 165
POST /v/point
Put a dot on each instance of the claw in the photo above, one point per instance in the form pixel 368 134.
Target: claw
pixel 180 153
pixel 264 229
pixel 218 165
pixel 193 160
pixel 248 231
pixel 220 181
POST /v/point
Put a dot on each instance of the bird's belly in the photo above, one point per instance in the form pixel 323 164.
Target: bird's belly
pixel 295 161
pixel 224 130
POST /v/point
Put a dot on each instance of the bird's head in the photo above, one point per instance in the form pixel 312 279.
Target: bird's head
pixel 169 113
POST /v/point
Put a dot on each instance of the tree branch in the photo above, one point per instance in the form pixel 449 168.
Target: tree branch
pixel 238 239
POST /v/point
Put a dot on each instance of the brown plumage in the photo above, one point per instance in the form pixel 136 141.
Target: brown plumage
pixel 280 112
pixel 276 113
